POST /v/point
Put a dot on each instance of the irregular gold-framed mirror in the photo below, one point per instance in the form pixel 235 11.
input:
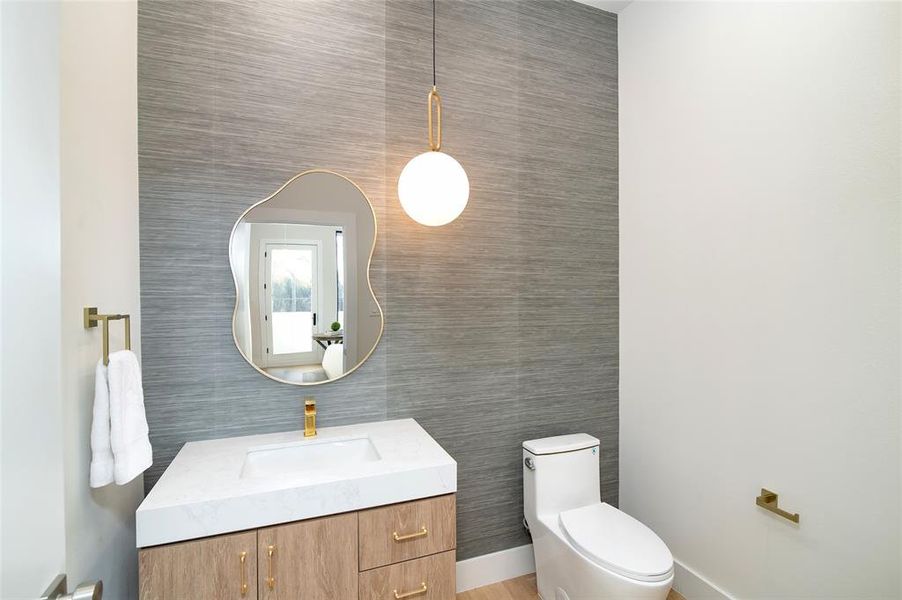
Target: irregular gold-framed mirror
pixel 305 312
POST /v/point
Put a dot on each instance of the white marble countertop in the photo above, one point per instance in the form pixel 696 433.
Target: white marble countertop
pixel 203 492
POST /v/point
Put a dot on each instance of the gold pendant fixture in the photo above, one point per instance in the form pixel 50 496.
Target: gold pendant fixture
pixel 433 188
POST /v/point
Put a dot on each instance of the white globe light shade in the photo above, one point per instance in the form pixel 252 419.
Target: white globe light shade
pixel 433 188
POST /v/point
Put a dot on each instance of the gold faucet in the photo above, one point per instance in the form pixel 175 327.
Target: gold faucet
pixel 309 416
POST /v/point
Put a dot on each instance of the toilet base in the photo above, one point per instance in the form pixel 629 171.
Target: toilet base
pixel 562 573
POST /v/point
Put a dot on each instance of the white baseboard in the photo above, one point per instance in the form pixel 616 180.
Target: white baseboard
pixel 695 587
pixel 491 568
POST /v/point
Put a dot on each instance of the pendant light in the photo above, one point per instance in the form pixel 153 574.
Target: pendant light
pixel 433 187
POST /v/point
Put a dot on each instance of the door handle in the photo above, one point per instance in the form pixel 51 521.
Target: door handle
pixel 92 590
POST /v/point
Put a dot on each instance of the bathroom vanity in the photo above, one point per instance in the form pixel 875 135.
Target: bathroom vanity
pixel 363 511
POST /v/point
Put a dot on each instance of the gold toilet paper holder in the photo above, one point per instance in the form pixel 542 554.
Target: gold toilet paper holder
pixel 768 500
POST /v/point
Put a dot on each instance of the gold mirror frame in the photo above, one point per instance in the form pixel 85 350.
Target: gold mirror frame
pixel 368 281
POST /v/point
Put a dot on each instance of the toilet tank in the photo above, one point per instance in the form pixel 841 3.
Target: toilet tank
pixel 560 473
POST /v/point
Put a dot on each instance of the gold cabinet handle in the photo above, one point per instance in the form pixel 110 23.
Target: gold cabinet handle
pixel 423 589
pixel 243 559
pixel 410 536
pixel 271 580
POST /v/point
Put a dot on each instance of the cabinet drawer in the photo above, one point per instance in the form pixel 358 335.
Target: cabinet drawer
pixel 400 532
pixel 429 578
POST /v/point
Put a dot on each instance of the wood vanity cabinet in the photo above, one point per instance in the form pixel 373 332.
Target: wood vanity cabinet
pixel 402 550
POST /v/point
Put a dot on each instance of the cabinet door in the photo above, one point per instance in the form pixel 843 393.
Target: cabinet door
pixel 314 559
pixel 217 568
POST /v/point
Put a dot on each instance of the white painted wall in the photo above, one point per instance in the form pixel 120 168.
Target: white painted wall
pixel 760 290
pixel 2 369
pixel 99 158
pixel 32 521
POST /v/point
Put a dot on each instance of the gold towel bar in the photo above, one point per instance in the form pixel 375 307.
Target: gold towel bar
pixel 768 501
pixel 90 320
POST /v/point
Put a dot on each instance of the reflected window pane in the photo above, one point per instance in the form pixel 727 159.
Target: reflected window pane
pixel 292 299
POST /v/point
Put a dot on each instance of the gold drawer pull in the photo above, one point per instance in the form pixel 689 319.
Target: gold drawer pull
pixel 410 536
pixel 243 559
pixel 271 580
pixel 422 590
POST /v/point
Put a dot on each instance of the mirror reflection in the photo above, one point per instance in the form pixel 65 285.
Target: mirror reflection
pixel 305 312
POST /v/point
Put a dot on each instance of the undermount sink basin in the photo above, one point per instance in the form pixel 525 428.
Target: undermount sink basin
pixel 308 456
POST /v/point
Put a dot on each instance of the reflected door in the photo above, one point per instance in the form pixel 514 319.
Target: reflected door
pixel 290 304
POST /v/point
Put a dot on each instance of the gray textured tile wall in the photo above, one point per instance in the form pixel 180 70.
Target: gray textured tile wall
pixel 500 327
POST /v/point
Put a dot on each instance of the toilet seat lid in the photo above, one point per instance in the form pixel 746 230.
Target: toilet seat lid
pixel 617 542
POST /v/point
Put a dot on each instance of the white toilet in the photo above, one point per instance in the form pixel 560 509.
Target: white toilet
pixel 586 549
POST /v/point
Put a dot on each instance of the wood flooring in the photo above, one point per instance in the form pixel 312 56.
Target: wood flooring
pixel 521 588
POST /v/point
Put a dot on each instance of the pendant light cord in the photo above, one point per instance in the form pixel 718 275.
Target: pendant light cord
pixel 433 43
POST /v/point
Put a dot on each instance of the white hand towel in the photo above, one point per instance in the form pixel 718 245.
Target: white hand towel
pixel 101 451
pixel 128 425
